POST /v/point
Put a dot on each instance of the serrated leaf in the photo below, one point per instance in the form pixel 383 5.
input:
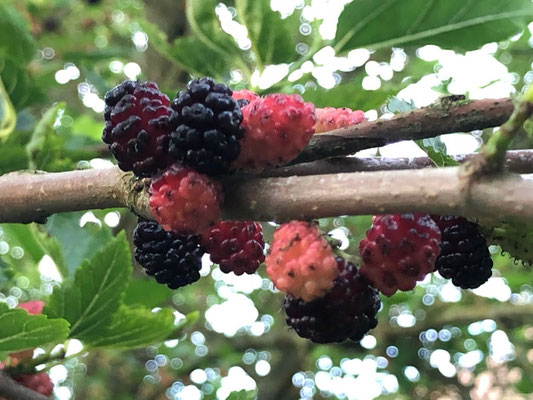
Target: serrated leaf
pixel 133 328
pixel 78 243
pixel 514 239
pixel 20 330
pixel 436 149
pixel 90 301
pixel 396 105
pixel 454 24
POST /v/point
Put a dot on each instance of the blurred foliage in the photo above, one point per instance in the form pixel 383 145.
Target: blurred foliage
pixel 57 60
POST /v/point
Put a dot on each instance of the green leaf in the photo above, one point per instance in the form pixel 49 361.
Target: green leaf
pixel 37 146
pixel 19 85
pixel 204 23
pixel 85 125
pixel 36 244
pixel 396 105
pixel 78 243
pixel 20 330
pixel 90 301
pixel 146 292
pixel 188 52
pixel 514 239
pixel 191 54
pixel 16 40
pixel 350 94
pixel 8 116
pixel 436 150
pixel 517 54
pixel 454 24
pixel 133 328
pixel 273 39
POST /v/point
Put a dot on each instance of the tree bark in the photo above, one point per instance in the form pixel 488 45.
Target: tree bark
pixel 31 197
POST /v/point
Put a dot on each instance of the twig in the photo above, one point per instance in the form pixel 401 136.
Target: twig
pixel 440 191
pixel 491 155
pixel 518 161
pixel 12 390
pixel 448 117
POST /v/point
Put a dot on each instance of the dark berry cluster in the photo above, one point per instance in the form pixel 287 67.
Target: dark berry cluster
pixel 206 124
pixel 347 311
pixel 136 127
pixel 173 259
pixel 464 257
pixel 236 246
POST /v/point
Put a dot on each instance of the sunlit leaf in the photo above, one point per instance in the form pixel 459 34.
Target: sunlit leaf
pixel 455 24
pixel 20 330
pixel 133 328
pixel 90 301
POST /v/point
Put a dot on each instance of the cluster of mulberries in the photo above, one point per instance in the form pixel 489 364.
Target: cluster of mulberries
pixel 208 130
pixel 328 299
pixel 183 145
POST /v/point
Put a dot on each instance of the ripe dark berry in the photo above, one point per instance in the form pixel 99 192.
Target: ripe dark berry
pixel 172 258
pixel 236 246
pixel 184 200
pixel 464 257
pixel 347 311
pixel 206 126
pixel 399 250
pixel 137 127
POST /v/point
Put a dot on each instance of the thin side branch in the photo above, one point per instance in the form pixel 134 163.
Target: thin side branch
pixel 12 390
pixel 518 161
pixel 492 154
pixel 438 119
pixel 25 196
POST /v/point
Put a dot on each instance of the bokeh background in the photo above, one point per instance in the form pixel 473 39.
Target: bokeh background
pixel 57 60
